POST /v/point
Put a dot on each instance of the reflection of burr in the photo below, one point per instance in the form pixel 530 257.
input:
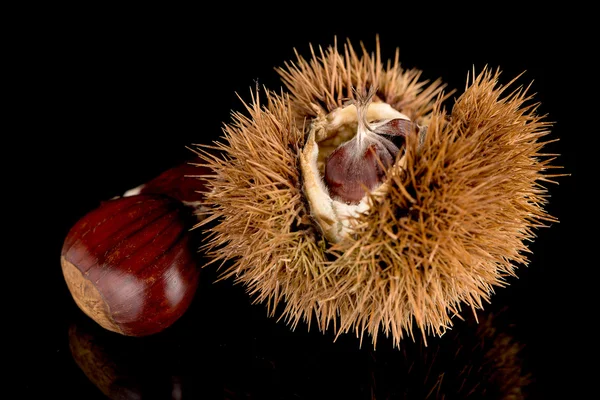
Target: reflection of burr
pixel 478 359
pixel 475 360
pixel 442 227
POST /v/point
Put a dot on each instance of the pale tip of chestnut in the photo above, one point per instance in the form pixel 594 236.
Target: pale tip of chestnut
pixel 87 297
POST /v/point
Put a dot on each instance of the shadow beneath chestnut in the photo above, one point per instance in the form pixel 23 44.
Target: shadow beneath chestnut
pixel 226 348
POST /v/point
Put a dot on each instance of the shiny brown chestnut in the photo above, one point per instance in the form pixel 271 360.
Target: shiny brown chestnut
pixel 131 264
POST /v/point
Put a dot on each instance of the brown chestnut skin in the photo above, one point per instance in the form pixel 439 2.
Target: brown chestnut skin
pixel 359 164
pixel 131 264
pixel 347 175
pixel 182 182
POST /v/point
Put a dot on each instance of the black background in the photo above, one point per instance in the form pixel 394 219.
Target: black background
pixel 108 99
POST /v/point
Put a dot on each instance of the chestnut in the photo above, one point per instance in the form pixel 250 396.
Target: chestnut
pixel 183 182
pixel 131 264
pixel 360 163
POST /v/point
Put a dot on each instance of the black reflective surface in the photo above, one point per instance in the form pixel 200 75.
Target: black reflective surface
pixel 239 356
pixel 124 96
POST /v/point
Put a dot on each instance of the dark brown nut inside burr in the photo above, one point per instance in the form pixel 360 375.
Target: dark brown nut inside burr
pixel 359 165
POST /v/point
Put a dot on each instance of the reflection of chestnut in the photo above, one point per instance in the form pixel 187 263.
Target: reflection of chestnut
pixel 131 265
pixel 122 369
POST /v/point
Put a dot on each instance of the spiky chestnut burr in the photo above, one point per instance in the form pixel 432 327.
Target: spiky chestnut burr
pixel 132 264
pixel 448 223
